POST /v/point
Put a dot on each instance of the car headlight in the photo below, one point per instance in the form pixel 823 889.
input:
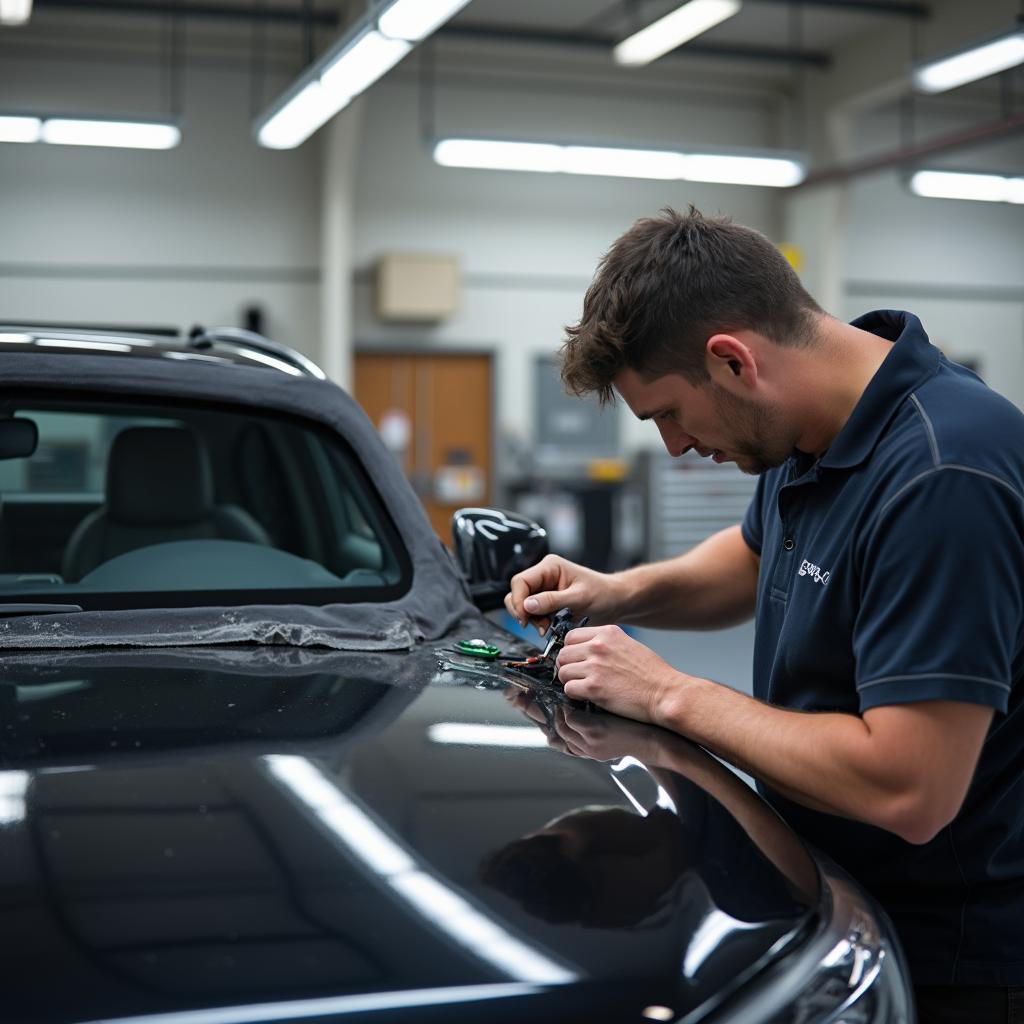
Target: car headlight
pixel 850 970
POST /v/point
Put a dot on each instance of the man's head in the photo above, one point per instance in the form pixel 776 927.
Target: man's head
pixel 668 321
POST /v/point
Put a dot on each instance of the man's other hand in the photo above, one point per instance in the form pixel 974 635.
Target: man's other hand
pixel 609 668
pixel 553 583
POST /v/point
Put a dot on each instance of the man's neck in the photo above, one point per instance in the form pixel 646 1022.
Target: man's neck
pixel 836 373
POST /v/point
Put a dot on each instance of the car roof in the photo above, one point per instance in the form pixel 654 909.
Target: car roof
pixel 220 345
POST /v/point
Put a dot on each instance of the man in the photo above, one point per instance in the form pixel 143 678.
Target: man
pixel 883 555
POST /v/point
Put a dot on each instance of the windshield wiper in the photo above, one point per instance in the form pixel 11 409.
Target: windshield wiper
pixel 38 609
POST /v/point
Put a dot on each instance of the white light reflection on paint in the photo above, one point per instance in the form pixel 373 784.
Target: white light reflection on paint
pixel 13 787
pixel 449 911
pixel 331 1006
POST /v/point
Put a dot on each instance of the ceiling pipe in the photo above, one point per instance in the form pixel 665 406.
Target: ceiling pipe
pixel 224 11
pixel 913 153
pixel 591 40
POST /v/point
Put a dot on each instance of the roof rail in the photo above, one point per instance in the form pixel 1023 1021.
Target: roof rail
pixel 237 338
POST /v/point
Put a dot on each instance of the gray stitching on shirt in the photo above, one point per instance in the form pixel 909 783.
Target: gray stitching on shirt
pixel 936 675
pixel 938 469
pixel 929 428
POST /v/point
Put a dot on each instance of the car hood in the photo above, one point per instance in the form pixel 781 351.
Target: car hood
pixel 274 834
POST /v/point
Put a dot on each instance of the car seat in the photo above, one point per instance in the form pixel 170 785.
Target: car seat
pixel 159 488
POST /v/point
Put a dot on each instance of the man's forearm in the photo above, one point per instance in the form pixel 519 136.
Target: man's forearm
pixel 710 587
pixel 822 760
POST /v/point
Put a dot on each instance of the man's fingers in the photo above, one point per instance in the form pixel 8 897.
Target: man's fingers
pixel 581 635
pixel 573 670
pixel 547 602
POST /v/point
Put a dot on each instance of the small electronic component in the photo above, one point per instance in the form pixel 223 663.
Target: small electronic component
pixel 478 649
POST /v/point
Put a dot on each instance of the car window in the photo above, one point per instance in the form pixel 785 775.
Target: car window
pixel 125 504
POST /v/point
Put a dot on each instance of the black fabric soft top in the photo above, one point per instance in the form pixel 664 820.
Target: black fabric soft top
pixel 436 601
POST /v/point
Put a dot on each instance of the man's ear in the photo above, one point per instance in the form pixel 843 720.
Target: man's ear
pixel 730 361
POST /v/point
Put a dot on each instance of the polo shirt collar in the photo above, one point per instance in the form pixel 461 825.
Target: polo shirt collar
pixel 911 359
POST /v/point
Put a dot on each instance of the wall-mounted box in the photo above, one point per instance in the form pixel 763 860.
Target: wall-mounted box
pixel 420 287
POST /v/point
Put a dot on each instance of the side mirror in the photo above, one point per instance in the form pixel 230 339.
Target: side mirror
pixel 491 546
pixel 18 438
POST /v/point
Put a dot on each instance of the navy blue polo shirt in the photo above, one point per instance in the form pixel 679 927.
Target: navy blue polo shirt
pixel 892 571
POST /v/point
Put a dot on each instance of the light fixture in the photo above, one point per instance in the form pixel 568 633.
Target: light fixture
pixel 66 131
pixel 300 116
pixel 20 129
pixel 15 12
pixel 360 65
pixel 664 165
pixel 372 47
pixel 984 59
pixel 986 188
pixel 674 29
pixel 414 20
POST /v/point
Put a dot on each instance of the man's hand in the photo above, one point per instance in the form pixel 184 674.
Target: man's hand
pixel 611 669
pixel 554 582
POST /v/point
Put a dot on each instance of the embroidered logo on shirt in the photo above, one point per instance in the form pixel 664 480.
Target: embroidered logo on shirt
pixel 816 572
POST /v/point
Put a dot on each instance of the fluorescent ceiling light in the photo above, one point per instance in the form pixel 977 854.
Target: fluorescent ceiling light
pixel 352 70
pixel 471 734
pixel 498 156
pixel 673 30
pixel 665 165
pixel 120 134
pixel 302 115
pixel 15 12
pixel 774 172
pixel 622 163
pixel 988 58
pixel 414 20
pixel 361 65
pixel 20 129
pixel 988 188
pixel 367 53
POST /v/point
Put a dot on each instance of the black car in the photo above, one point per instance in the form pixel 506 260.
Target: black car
pixel 264 758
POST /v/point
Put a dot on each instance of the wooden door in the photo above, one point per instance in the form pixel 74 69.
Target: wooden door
pixel 444 443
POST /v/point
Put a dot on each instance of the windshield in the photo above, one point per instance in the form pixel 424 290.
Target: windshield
pixel 152 505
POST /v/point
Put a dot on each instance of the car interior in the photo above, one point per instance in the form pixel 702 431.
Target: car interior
pixel 107 497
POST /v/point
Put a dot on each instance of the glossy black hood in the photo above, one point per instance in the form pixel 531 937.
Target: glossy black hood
pixel 276 834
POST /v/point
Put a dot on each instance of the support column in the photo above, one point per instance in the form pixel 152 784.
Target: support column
pixel 815 221
pixel 341 137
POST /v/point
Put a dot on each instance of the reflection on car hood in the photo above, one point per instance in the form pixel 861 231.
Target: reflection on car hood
pixel 351 833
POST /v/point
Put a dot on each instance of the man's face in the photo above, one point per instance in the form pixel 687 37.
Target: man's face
pixel 710 419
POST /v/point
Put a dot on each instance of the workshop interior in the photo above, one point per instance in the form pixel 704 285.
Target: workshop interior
pixel 409 199
pixel 420 213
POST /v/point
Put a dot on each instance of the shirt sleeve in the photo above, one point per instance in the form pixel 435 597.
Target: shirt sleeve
pixel 942 592
pixel 752 526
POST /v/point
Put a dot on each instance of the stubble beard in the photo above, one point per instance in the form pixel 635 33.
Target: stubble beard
pixel 760 442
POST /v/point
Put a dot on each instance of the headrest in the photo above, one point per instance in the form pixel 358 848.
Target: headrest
pixel 158 476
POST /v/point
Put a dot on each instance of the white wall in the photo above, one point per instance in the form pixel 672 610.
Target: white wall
pixel 958 264
pixel 529 243
pixel 174 238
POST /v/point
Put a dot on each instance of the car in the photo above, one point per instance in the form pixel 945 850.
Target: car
pixel 265 756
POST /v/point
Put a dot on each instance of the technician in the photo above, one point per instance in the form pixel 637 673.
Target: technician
pixel 883 557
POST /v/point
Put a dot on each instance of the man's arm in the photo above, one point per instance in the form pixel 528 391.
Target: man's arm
pixel 902 767
pixel 710 587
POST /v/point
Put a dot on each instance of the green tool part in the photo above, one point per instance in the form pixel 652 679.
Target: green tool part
pixel 478 649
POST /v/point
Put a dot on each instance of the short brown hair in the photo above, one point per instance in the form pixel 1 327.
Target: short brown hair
pixel 666 286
